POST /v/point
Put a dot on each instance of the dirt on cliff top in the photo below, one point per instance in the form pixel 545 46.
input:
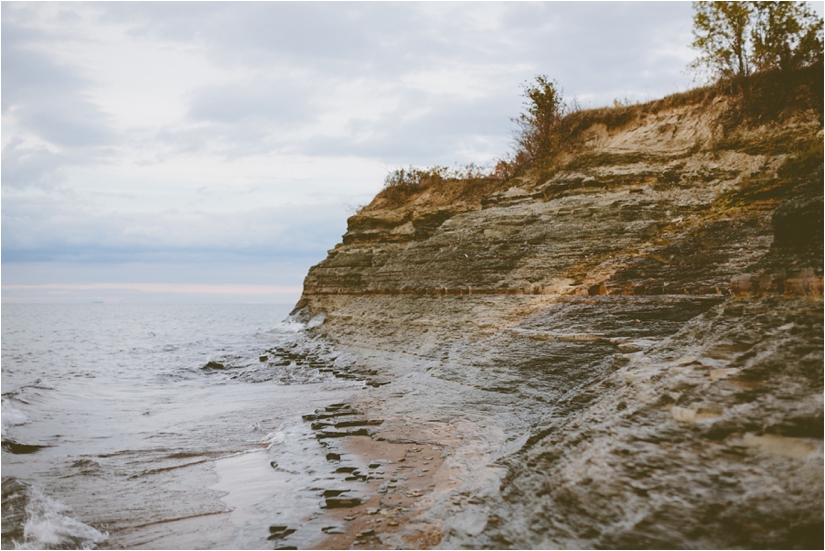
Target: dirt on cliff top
pixel 781 114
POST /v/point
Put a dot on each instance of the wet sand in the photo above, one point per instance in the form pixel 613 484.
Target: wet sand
pixel 395 494
pixel 386 480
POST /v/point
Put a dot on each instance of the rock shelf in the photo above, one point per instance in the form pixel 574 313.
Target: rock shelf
pixel 626 353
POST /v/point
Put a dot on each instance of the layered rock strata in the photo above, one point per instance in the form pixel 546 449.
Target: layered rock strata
pixel 646 326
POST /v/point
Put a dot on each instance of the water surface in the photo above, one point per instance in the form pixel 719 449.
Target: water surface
pixel 156 425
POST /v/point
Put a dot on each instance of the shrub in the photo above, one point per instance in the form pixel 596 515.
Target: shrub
pixel 539 124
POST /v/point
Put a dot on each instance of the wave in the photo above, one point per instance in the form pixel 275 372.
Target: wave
pixel 289 325
pixel 12 418
pixel 17 448
pixel 32 520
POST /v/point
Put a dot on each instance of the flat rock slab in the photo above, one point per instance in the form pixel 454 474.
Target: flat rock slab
pixel 342 502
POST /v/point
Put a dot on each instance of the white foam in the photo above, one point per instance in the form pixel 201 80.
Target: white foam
pixel 12 417
pixel 344 361
pixel 48 526
pixel 317 320
pixel 275 438
pixel 44 384
pixel 289 325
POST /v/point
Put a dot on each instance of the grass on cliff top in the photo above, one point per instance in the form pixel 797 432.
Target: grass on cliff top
pixel 763 98
pixel 760 99
pixel 468 184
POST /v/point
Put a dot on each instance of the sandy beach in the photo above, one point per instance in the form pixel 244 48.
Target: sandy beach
pixel 385 482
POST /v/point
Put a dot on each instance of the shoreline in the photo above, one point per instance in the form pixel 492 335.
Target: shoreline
pixel 392 483
pixel 417 454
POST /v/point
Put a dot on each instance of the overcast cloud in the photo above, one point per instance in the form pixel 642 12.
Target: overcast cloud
pixel 150 146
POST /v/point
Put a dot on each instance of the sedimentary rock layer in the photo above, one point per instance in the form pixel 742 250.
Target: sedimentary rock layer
pixel 651 315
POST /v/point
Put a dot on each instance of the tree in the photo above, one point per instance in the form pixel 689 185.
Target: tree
pixel 736 38
pixel 539 137
pixel 786 35
pixel 721 31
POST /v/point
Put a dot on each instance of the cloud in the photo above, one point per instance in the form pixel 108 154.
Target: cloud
pixel 164 135
pixel 48 229
pixel 283 100
pixel 357 69
pixel 350 39
pixel 47 113
pixel 456 130
pixel 27 166
pixel 248 116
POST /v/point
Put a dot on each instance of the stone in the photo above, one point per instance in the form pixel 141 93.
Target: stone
pixel 342 502
pixel 320 425
pixel 341 434
pixel 279 532
pixel 359 423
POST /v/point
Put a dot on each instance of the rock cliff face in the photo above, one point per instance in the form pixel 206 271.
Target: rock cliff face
pixel 626 354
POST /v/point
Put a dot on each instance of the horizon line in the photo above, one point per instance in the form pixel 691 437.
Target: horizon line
pixel 182 288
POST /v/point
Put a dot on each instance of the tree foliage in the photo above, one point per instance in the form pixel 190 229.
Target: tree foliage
pixel 720 31
pixel 545 109
pixel 786 35
pixel 737 38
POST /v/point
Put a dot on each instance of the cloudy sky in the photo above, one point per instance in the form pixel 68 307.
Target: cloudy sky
pixel 213 151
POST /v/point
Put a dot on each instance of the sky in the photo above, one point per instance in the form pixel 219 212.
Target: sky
pixel 212 152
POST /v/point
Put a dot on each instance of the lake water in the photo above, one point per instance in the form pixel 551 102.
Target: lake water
pixel 157 426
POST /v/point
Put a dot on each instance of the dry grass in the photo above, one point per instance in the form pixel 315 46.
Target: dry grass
pixel 768 98
pixel 467 184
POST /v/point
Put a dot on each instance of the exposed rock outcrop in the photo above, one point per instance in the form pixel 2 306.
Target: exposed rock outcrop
pixel 649 319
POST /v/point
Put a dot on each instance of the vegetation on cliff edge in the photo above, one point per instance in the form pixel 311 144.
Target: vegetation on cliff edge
pixel 765 59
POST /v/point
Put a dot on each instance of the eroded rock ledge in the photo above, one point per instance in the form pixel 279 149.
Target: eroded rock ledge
pixel 650 318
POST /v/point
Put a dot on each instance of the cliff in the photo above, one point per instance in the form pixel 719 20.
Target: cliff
pixel 626 352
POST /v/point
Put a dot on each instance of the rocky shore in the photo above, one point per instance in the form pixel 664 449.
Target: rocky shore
pixel 628 353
